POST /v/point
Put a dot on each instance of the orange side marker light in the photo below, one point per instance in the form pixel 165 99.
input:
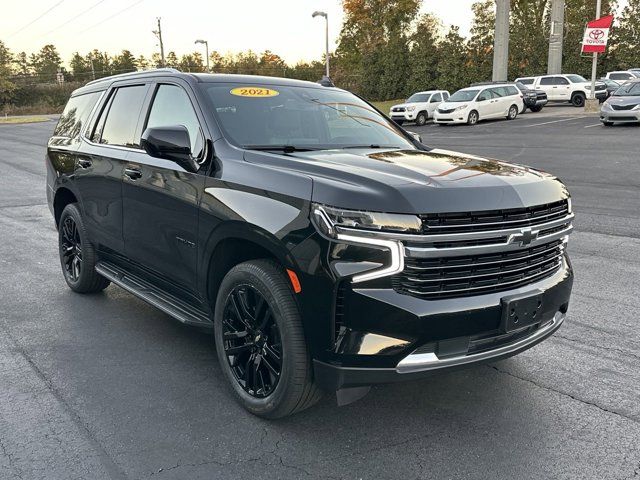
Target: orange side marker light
pixel 295 283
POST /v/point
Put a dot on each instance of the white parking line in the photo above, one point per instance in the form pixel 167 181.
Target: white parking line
pixel 554 121
pixel 596 125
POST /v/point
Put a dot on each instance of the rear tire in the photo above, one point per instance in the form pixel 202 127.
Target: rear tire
pixel 473 118
pixel 77 255
pixel 422 118
pixel 264 354
pixel 513 112
pixel 578 100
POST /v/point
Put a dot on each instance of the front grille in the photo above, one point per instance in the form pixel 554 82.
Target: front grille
pixel 449 277
pixel 441 110
pixel 440 223
pixel 623 107
pixel 398 109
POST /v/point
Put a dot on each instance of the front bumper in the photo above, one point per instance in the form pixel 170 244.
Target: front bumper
pixel 396 337
pixel 620 116
pixel 404 116
pixel 455 117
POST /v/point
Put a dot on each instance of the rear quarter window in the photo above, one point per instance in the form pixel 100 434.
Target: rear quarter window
pixel 75 115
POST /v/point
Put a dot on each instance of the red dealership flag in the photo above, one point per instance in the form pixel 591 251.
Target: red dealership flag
pixel 596 35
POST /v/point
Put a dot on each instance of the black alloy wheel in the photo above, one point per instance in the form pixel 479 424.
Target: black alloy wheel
pixel 77 255
pixel 578 100
pixel 252 341
pixel 260 342
pixel 71 249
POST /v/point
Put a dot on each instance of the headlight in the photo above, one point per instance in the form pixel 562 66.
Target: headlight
pixel 328 218
pixel 411 109
pixel 569 205
pixel 637 107
pixel 461 107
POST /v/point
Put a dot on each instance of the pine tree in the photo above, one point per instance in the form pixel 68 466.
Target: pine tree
pixel 452 69
pixel 424 56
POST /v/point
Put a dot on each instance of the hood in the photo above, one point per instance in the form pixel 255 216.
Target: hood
pixel 401 105
pixel 415 181
pixel 452 105
pixel 623 101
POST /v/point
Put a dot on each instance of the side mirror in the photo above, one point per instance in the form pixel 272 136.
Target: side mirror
pixel 482 99
pixel 170 143
pixel 415 136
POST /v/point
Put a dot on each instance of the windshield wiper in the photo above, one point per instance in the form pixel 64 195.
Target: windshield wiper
pixel 280 148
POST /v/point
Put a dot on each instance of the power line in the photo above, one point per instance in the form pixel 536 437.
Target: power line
pixel 35 19
pixel 112 16
pixel 73 18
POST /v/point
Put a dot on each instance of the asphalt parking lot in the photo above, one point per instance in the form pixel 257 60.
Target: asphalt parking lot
pixel 106 386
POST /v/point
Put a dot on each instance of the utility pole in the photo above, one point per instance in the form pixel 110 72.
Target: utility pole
pixel 501 43
pixel 556 38
pixel 158 33
pixel 594 65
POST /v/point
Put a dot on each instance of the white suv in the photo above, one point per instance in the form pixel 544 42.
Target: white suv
pixel 473 104
pixel 419 107
pixel 565 88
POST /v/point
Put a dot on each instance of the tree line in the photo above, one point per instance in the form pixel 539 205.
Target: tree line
pixel 386 50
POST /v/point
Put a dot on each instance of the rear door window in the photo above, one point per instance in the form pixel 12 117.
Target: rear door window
pixel 75 115
pixel 119 120
pixel 561 81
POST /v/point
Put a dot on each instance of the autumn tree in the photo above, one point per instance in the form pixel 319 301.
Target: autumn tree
pixel 480 61
pixel 7 87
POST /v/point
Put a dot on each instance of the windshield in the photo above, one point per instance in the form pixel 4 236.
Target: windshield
pixel 464 96
pixel 276 116
pixel 419 98
pixel 628 90
pixel 576 79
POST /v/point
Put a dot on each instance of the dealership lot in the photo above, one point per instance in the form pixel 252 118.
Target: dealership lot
pixel 105 386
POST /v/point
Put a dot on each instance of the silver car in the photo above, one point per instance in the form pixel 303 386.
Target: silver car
pixel 623 106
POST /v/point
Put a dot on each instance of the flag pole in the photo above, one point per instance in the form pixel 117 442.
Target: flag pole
pixel 594 66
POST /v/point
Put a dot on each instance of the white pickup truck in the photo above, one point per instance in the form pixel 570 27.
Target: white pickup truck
pixel 565 88
pixel 419 107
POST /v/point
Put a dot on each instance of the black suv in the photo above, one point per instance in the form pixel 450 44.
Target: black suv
pixel 534 100
pixel 326 248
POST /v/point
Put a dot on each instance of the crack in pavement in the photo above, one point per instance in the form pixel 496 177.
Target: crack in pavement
pixel 601 347
pixel 586 402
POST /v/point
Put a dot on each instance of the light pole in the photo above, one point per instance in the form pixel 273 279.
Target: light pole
pixel 326 18
pixel 206 47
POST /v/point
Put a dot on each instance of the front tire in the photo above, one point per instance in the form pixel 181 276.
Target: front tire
pixel 607 124
pixel 77 255
pixel 421 119
pixel 536 108
pixel 473 118
pixel 260 342
pixel 578 100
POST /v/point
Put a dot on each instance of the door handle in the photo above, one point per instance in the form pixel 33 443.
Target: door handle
pixel 84 163
pixel 133 173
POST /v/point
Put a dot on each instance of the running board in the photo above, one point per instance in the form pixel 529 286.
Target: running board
pixel 169 304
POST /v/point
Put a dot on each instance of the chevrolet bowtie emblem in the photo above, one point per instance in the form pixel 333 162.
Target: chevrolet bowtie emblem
pixel 525 237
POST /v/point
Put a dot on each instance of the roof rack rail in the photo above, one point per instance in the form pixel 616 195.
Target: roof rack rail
pixel 133 74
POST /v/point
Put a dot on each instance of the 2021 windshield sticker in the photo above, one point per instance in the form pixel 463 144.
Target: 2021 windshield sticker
pixel 254 92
